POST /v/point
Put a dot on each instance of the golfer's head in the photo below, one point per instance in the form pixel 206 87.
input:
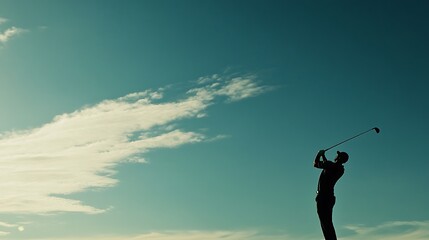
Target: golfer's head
pixel 342 157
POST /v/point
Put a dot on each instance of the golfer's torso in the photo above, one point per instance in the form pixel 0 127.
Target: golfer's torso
pixel 329 176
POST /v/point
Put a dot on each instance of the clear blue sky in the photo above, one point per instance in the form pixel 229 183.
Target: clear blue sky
pixel 201 119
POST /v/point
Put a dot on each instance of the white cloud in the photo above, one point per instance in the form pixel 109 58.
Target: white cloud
pixel 79 151
pixel 9 33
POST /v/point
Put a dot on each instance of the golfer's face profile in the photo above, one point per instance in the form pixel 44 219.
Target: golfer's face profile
pixel 337 158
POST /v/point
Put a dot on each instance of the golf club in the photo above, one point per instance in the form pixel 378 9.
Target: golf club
pixel 377 130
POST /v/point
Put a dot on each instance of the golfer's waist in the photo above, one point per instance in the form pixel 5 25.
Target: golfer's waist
pixel 325 193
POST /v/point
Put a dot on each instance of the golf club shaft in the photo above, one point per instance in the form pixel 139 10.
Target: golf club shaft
pixel 376 129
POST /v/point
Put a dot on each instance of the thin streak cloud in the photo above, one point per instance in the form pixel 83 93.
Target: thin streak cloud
pixel 9 225
pixel 398 230
pixel 79 151
pixel 191 235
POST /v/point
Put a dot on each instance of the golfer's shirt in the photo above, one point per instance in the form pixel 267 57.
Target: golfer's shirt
pixel 329 176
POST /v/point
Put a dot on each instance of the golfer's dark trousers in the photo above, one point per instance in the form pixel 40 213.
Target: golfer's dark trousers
pixel 325 205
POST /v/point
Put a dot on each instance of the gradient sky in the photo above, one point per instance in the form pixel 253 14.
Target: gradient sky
pixel 199 120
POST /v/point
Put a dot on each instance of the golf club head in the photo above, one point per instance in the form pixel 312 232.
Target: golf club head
pixel 377 130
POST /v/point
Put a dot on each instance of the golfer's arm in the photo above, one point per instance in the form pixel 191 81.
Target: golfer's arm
pixel 324 158
pixel 320 164
pixel 317 163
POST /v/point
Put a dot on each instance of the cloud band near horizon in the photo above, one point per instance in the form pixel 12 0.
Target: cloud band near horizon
pixel 395 230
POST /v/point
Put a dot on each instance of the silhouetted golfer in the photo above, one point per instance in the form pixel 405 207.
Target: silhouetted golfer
pixel 332 171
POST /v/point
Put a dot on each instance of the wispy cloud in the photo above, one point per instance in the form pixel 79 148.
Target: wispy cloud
pixel 78 151
pixel 239 87
pixel 2 20
pixel 6 35
pixel 9 225
pixel 397 230
pixel 10 32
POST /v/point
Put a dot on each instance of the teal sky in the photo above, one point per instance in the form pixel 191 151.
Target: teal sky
pixel 200 119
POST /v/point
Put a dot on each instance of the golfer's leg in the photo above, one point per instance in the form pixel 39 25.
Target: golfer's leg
pixel 323 217
pixel 329 230
pixel 324 210
pixel 329 225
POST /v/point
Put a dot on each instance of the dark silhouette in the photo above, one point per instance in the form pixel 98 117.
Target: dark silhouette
pixel 332 171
